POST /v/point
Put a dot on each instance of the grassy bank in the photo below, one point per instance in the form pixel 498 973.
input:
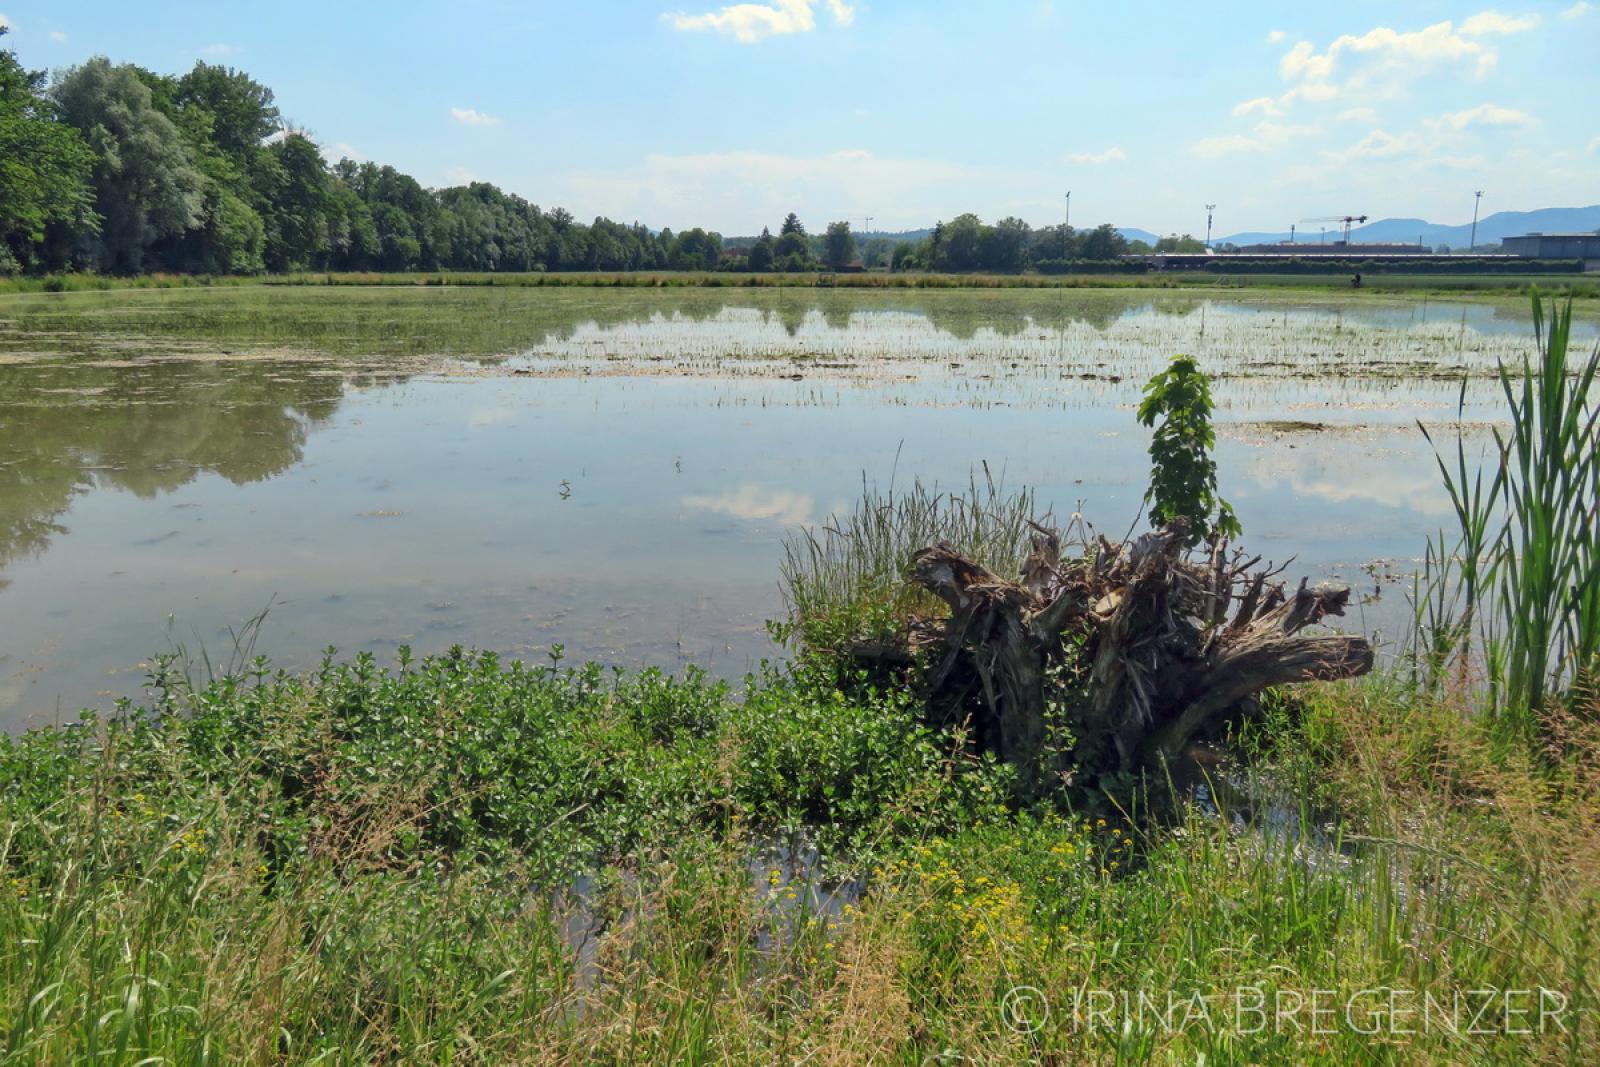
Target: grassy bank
pixel 1582 285
pixel 465 861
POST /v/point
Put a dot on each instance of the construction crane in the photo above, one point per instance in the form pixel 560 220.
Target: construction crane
pixel 1348 221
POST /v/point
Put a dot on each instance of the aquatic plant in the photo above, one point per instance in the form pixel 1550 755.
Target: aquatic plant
pixel 1524 572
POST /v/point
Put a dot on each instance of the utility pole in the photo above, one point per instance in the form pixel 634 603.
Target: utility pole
pixel 1069 209
pixel 1209 209
pixel 1477 198
pixel 868 228
pixel 1291 232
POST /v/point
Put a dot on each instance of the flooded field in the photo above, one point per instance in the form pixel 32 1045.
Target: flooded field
pixel 614 472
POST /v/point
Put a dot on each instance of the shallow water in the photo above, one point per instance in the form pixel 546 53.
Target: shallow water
pixel 615 471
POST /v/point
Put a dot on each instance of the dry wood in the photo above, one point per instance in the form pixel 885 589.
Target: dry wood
pixel 1170 644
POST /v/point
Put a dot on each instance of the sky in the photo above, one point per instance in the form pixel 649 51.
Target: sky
pixel 696 112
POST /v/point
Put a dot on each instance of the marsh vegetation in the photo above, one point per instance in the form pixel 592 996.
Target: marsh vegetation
pixel 440 855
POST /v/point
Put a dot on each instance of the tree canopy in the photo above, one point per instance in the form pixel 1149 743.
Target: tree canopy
pixel 121 169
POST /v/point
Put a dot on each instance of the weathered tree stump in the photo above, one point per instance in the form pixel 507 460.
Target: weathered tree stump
pixel 1162 644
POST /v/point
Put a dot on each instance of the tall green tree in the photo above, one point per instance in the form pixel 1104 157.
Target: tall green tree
pixel 792 253
pixel 241 112
pixel 44 169
pixel 763 252
pixel 839 245
pixel 145 181
pixel 298 189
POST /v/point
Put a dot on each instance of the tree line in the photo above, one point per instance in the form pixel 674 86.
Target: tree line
pixel 116 168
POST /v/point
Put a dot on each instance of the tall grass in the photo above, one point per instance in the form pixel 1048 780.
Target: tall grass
pixel 356 868
pixel 1523 576
pixel 848 579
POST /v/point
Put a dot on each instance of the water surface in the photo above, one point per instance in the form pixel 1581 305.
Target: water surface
pixel 614 472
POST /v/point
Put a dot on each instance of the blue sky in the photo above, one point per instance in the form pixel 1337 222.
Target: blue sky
pixel 694 112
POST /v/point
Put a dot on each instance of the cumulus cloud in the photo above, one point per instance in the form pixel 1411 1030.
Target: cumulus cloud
pixel 1446 141
pixel 1487 115
pixel 5 23
pixel 1266 105
pixel 749 23
pixel 1265 137
pixel 471 117
pixel 1492 23
pixel 1383 58
pixel 1095 159
pixel 1276 36
pixel 1578 10
pixel 1381 144
pixel 1358 114
pixel 767 185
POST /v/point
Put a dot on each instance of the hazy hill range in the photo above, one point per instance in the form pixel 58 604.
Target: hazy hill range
pixel 1491 228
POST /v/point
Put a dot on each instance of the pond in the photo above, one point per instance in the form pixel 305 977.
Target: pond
pixel 614 471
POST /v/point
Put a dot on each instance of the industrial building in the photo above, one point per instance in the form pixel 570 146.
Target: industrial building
pixel 1334 248
pixel 1584 246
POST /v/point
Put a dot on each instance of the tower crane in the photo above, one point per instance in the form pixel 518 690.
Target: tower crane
pixel 1348 220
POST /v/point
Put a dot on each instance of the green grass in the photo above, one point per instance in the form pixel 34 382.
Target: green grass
pixel 462 860
pixel 369 865
pixel 1576 284
pixel 1518 595
pixel 847 581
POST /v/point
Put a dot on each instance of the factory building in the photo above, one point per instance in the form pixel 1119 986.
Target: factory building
pixel 1334 248
pixel 1584 246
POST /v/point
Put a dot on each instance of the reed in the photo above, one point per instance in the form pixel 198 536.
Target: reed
pixel 1523 574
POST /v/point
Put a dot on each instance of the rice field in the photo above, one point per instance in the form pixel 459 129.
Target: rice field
pixel 615 471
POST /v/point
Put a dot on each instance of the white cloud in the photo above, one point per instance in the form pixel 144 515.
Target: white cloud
pixel 901 192
pixel 1382 60
pixel 1594 145
pixel 221 50
pixel 1358 114
pixel 1487 23
pixel 1381 144
pixel 1276 36
pixel 1265 137
pixel 1264 104
pixel 1442 142
pixel 460 176
pixel 58 37
pixel 1578 10
pixel 5 23
pixel 341 150
pixel 749 23
pixel 1487 115
pixel 471 117
pixel 1095 159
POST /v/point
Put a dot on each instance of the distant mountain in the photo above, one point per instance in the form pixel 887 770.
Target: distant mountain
pixel 1133 234
pixel 1491 228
